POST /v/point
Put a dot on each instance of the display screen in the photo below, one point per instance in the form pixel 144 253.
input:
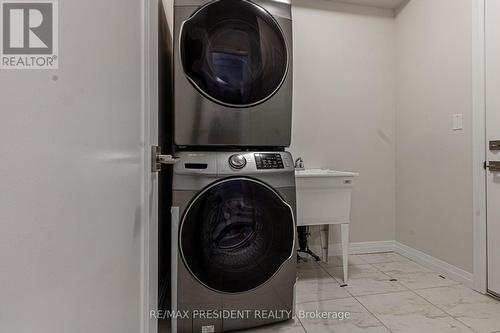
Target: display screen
pixel 269 161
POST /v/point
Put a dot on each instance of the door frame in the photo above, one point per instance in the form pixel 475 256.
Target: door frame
pixel 149 180
pixel 479 143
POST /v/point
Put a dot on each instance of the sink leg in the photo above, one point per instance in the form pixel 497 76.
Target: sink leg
pixel 345 249
pixel 324 233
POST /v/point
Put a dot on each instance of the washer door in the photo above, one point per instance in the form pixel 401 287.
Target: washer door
pixel 236 234
pixel 234 52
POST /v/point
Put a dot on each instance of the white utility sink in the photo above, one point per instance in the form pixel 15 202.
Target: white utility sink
pixel 324 198
pixel 312 173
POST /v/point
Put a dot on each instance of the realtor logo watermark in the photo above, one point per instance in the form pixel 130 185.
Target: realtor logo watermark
pixel 29 34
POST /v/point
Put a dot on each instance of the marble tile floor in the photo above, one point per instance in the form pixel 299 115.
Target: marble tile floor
pixel 386 292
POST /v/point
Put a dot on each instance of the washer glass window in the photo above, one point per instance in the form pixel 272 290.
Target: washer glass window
pixel 236 235
pixel 234 52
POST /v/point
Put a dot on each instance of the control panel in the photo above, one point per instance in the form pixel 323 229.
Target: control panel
pixel 268 161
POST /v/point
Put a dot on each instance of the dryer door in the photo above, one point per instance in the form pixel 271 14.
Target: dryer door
pixel 234 53
pixel 236 234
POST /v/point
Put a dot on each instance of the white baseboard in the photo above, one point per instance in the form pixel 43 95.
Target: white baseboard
pixel 437 265
pixel 358 248
pixel 370 247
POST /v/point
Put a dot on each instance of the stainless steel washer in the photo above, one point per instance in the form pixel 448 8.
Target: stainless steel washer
pixel 232 73
pixel 234 239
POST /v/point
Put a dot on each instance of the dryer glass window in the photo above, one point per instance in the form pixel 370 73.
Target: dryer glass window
pixel 236 235
pixel 234 52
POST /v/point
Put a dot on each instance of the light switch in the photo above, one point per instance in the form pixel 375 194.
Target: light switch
pixel 458 121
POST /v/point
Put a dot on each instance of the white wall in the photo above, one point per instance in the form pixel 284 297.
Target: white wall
pixel 434 163
pixel 376 95
pixel 344 112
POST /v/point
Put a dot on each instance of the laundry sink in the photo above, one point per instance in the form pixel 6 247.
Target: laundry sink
pixel 313 173
pixel 323 196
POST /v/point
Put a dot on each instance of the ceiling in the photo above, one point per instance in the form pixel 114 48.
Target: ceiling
pixel 390 4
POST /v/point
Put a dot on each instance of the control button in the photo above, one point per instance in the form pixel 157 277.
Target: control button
pixel 237 161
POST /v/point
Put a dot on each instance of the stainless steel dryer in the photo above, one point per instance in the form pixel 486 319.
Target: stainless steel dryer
pixel 234 240
pixel 232 73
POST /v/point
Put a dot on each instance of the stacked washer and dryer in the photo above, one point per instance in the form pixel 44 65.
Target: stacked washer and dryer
pixel 233 262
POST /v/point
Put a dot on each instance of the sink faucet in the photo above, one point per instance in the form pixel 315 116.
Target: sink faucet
pixel 299 163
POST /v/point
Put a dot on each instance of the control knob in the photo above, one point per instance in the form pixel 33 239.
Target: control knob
pixel 237 161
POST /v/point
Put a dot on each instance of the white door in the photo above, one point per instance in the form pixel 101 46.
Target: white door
pixel 493 134
pixel 73 186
